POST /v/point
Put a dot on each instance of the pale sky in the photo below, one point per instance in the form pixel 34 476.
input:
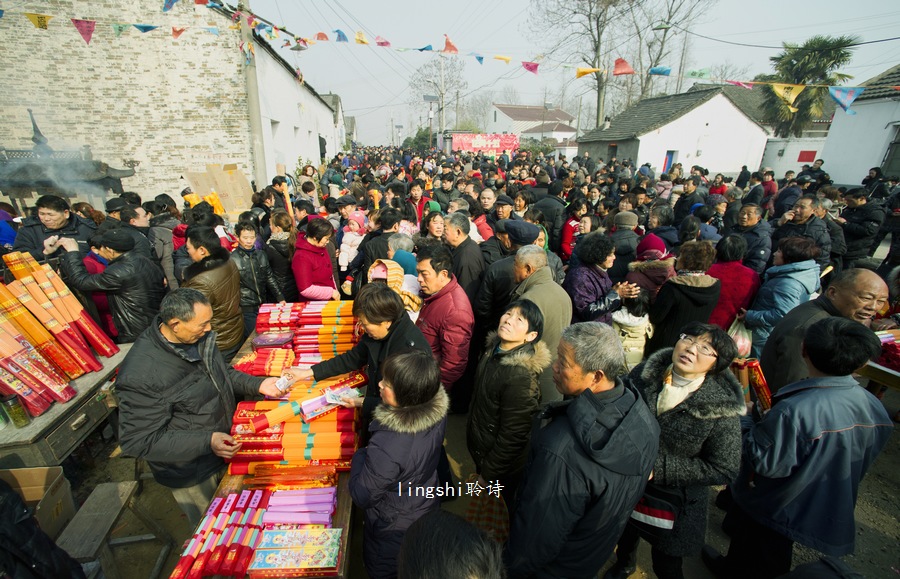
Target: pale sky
pixel 373 81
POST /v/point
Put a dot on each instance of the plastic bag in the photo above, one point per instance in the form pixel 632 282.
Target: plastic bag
pixel 487 511
pixel 742 337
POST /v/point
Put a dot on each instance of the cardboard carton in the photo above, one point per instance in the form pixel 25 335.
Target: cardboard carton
pixel 47 492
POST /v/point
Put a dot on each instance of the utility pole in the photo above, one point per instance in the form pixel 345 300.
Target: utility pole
pixel 257 149
pixel 578 122
pixel 684 49
pixel 457 110
pixel 392 129
pixel 601 87
pixel 443 91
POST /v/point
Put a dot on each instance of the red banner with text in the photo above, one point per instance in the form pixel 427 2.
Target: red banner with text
pixel 491 144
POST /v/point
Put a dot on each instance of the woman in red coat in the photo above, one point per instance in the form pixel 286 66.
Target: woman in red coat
pixel 576 210
pixel 311 263
pixel 739 283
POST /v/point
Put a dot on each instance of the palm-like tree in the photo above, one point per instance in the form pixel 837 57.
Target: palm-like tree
pixel 812 63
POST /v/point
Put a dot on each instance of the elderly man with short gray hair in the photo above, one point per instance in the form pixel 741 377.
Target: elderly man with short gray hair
pixel 535 283
pixel 590 458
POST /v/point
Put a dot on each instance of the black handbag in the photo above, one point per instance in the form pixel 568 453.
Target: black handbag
pixel 655 514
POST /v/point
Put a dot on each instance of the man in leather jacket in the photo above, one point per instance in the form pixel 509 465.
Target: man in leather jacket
pixel 134 284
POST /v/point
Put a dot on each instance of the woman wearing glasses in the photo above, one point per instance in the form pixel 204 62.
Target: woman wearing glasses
pixel 698 402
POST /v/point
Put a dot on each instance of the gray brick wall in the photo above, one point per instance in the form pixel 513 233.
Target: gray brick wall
pixel 174 105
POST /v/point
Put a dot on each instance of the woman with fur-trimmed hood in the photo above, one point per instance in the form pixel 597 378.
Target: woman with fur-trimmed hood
pixel 698 403
pixel 388 477
pixel 506 395
pixel 652 267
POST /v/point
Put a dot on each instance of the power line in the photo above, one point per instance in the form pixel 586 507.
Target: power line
pixel 852 44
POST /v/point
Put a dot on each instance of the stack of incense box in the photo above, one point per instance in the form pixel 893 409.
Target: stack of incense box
pixel 288 317
pixel 46 336
pixel 296 553
pixel 266 362
pixel 750 375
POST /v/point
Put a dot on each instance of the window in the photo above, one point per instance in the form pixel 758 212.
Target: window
pixel 495 116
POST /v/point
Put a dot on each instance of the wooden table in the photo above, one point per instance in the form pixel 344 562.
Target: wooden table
pixel 881 374
pixel 341 520
pixel 52 436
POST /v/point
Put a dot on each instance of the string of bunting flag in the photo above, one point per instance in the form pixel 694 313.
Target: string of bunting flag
pixel 788 93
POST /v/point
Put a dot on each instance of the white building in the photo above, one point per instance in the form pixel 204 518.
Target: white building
pixel 703 128
pixel 516 119
pixel 871 137
pixel 557 131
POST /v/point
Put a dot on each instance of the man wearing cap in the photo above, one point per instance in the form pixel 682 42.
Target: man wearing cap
pixel 626 241
pixel 346 204
pixel 499 278
pixel 503 209
pixel 860 221
pixel 132 283
pixel 497 247
pixel 114 206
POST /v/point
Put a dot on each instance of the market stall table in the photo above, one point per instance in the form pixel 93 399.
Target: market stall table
pixel 52 436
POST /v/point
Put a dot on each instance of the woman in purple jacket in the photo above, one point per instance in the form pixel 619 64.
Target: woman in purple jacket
pixel 594 297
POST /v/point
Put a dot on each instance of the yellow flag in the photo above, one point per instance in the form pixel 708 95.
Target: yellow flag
pixel 505 59
pixel 788 93
pixel 580 72
pixel 361 38
pixel 39 20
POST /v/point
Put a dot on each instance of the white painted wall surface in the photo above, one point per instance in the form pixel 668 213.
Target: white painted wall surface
pixel 724 138
pixel 558 135
pixel 790 149
pixel 856 143
pixel 502 124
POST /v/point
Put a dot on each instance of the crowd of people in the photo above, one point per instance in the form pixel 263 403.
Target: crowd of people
pixel 578 313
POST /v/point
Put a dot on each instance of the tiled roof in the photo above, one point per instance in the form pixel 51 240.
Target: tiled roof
pixel 536 114
pixel 551 128
pixel 751 100
pixel 650 114
pixel 882 85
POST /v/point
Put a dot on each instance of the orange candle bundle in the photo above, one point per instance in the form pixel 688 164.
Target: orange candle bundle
pixel 31 373
pixel 759 385
pixel 102 343
pixel 33 355
pixel 37 334
pixel 31 296
pixel 15 261
pixel 340 465
pixel 35 403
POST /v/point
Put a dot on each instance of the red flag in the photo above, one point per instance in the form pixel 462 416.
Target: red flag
pixel 178 31
pixel 85 28
pixel 622 67
pixel 530 66
pixel 321 36
pixel 449 47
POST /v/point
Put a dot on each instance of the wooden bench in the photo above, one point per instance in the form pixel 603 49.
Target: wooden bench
pixel 87 537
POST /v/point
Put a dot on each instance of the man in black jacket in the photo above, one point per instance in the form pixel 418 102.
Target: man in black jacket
pixel 176 400
pixel 554 209
pixel 53 220
pixel 688 199
pixel 860 221
pixel 590 458
pixel 801 221
pixel 758 235
pixel 132 282
pixel 468 263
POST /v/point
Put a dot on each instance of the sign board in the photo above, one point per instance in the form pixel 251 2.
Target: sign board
pixel 228 182
pixel 490 144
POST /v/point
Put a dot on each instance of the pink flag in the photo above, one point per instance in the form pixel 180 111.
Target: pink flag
pixel 85 28
pixel 740 84
pixel 380 41
pixel 622 67
pixel 178 31
pixel 530 66
pixel 449 47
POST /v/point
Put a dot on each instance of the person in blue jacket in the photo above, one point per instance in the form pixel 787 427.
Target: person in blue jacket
pixel 803 462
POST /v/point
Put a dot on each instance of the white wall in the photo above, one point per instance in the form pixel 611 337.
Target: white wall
pixel 502 124
pixel 723 136
pixel 791 148
pixel 558 135
pixel 292 117
pixel 856 143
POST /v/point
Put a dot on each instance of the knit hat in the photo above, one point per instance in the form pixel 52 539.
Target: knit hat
pixel 117 239
pixel 406 260
pixel 433 206
pixel 625 220
pixel 651 248
pixel 359 217
pixel 543 179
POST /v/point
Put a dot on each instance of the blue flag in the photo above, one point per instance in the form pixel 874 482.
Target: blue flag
pixel 145 27
pixel 425 48
pixel 167 5
pixel 341 37
pixel 661 70
pixel 845 95
pixel 480 59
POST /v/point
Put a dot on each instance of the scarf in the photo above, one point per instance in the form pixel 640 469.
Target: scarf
pixel 675 390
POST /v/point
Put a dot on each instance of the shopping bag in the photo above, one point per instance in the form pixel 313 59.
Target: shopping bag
pixel 742 337
pixel 487 511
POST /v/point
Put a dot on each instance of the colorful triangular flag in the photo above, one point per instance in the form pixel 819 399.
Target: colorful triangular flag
pixel 118 28
pixel 380 41
pixel 1 13
pixel 85 28
pixel 178 31
pixel 622 67
pixel 530 66
pixel 426 48
pixel 211 4
pixel 168 4
pixel 341 37
pixel 201 2
pixel 845 95
pixel 740 83
pixel 580 72
pixel 788 93
pixel 321 36
pixel 286 44
pixel 505 59
pixel 479 58
pixel 360 38
pixel 212 30
pixel 660 71
pixel 449 47
pixel 41 21
pixel 701 73
pixel 145 27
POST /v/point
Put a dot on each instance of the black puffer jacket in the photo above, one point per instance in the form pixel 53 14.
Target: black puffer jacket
pixel 170 403
pixel 32 233
pixel 217 277
pixel 554 210
pixel 699 445
pixel 133 284
pixel 863 223
pixel 257 281
pixel 507 395
pixel 814 228
pixel 759 245
pixel 404 449
pixel 279 253
pixel 371 353
pixel 26 552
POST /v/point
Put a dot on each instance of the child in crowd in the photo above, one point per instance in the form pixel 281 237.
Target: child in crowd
pixel 257 281
pixel 353 235
pixel 632 323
